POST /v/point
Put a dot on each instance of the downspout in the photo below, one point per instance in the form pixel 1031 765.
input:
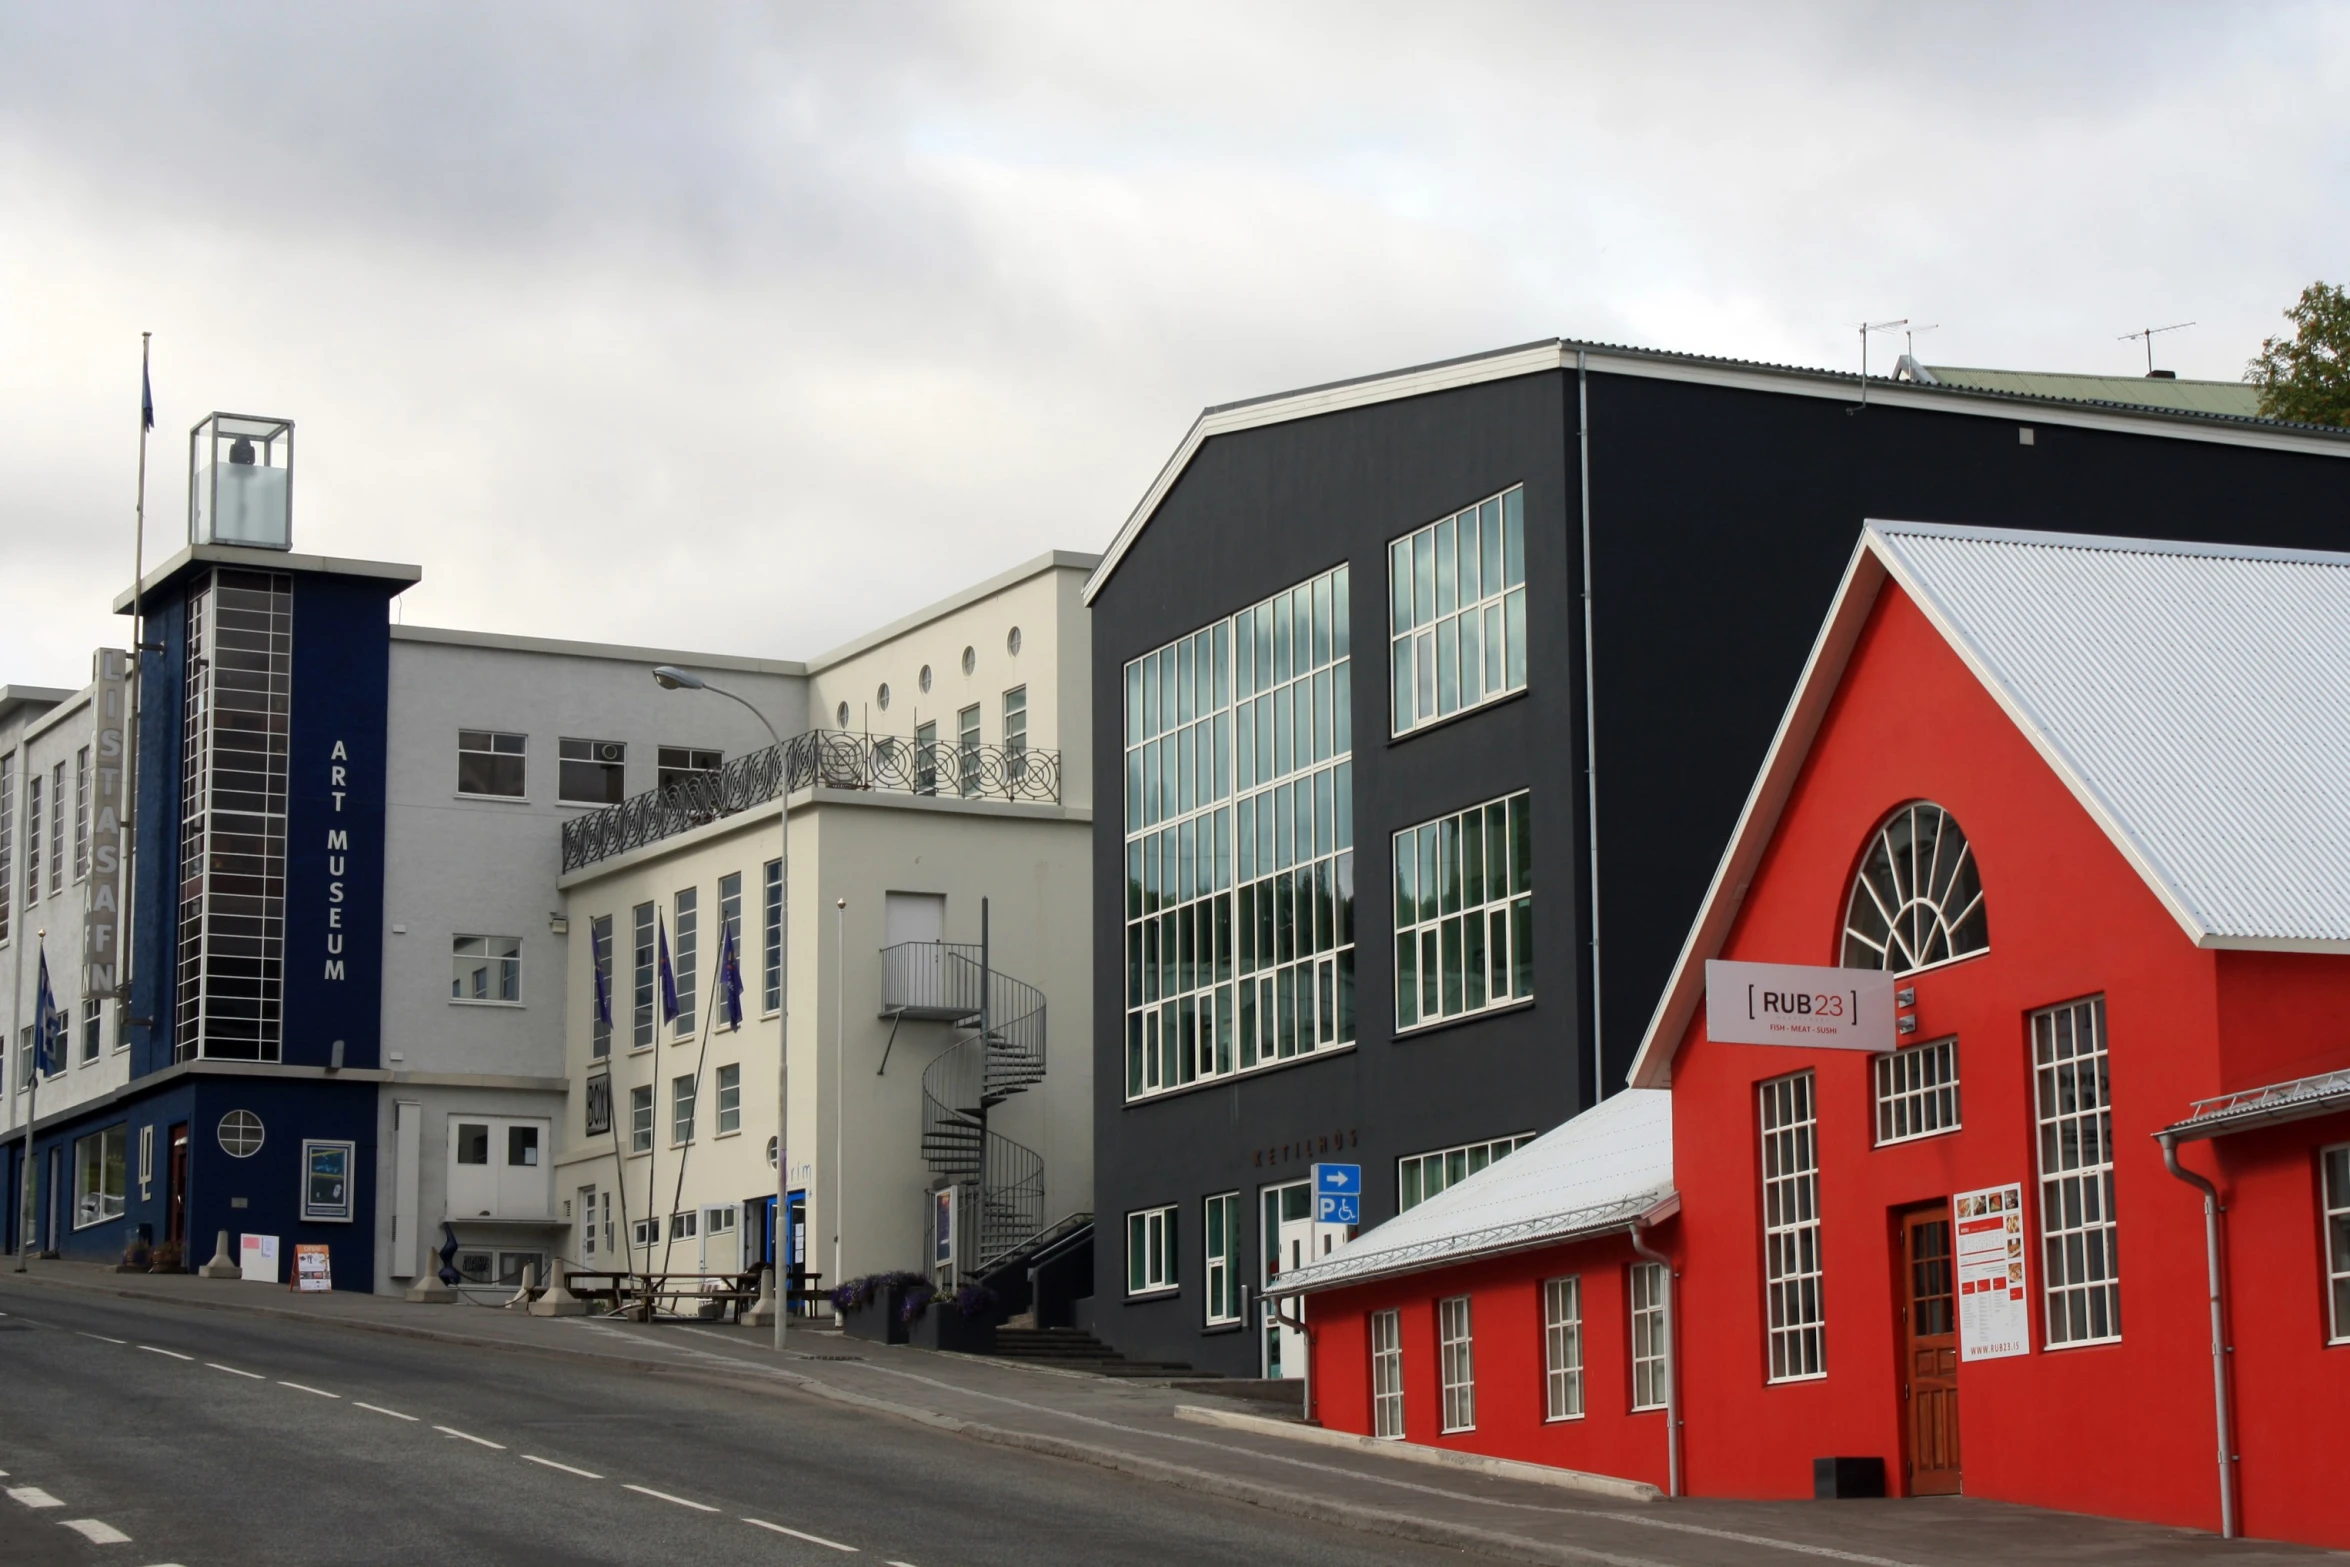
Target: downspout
pixel 1590 714
pixel 2219 1349
pixel 1303 1326
pixel 1672 1361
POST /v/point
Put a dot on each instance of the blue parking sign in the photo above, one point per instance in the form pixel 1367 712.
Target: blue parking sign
pixel 1338 1194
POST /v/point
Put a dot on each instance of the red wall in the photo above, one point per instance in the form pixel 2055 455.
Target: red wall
pixel 2122 1429
pixel 1505 1315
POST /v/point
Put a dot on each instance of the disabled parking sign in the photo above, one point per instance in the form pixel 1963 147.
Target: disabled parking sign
pixel 1338 1194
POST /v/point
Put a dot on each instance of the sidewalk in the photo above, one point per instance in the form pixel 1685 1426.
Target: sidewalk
pixel 1225 1446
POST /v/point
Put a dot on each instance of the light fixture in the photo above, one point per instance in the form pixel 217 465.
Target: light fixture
pixel 671 678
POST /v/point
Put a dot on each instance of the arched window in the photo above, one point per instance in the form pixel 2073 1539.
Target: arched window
pixel 1917 899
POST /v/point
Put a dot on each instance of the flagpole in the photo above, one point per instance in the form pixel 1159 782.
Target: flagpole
pixel 125 943
pixel 602 966
pixel 32 1105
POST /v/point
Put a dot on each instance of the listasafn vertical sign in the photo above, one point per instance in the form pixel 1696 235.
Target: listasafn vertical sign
pixel 102 914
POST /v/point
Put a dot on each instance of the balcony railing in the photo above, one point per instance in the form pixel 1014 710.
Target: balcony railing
pixel 819 759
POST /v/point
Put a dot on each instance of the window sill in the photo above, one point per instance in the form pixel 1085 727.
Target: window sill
pixel 1457 715
pixel 720 1137
pixel 1144 1297
pixel 1480 1015
pixel 97 1223
pixel 640 1050
pixel 465 1001
pixel 1228 1079
pixel 1918 1137
pixel 493 799
pixel 1568 1420
pixel 1220 1329
pixel 2083 1343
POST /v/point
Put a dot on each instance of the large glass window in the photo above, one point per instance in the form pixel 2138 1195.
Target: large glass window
pixel 1239 798
pixel 1456 1359
pixel 600 999
pixel 7 841
pixel 2337 1242
pixel 1456 612
pixel 685 941
pixel 98 1163
pixel 1420 1176
pixel 967 751
pixel 485 968
pixel 677 765
pixel 1562 1349
pixel 591 772
pixel 642 977
pixel 1917 1091
pixel 489 762
pixel 2081 1269
pixel 683 1091
pixel 81 813
pixel 1016 732
pixel 1791 1228
pixel 730 1099
pixel 1464 912
pixel 640 1120
pixel 1223 1258
pixel 1387 1375
pixel 771 972
pixel 32 836
pixel 1917 899
pixel 730 922
pixel 1150 1251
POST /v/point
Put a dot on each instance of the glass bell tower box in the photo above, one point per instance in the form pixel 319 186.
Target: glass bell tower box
pixel 241 482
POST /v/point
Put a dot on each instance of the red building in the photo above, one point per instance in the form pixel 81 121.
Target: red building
pixel 2086 800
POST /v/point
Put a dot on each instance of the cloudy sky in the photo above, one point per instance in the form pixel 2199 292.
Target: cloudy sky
pixel 745 328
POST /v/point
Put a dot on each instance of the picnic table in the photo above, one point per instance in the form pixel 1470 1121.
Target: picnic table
pixel 641 1295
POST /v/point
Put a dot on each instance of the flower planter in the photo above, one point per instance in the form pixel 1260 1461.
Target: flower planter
pixel 943 1327
pixel 880 1318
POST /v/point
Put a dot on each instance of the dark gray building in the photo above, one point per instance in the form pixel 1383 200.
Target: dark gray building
pixel 1435 696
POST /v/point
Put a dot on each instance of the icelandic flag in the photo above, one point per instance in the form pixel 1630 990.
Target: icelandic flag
pixel 730 976
pixel 601 961
pixel 668 974
pixel 48 1026
pixel 146 398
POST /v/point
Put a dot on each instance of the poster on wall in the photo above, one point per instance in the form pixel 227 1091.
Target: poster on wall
pixel 1987 1228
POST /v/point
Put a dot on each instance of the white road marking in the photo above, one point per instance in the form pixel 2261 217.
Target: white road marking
pixel 380 1410
pixel 234 1372
pixel 96 1532
pixel 33 1496
pixel 102 1338
pixel 464 1437
pixel 812 1539
pixel 299 1388
pixel 534 1458
pixel 173 1353
pixel 901 1564
pixel 699 1507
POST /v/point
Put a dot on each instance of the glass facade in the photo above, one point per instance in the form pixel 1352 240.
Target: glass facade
pixel 1456 612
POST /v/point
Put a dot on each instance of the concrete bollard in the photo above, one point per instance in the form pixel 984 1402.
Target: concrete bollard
pixel 224 1264
pixel 558 1301
pixel 762 1312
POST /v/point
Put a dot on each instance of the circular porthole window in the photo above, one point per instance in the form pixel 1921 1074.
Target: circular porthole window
pixel 843 715
pixel 970 660
pixel 1012 642
pixel 925 677
pixel 240 1134
pixel 882 696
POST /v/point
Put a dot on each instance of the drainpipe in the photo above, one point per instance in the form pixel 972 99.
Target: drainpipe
pixel 1672 1362
pixel 1303 1326
pixel 1590 714
pixel 2219 1349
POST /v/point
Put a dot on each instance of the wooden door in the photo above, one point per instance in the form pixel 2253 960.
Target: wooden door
pixel 175 1193
pixel 1929 1366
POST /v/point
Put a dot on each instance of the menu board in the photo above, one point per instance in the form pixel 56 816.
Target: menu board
pixel 1994 1319
pixel 313 1270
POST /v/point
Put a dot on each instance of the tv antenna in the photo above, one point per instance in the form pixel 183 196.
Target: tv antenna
pixel 1866 327
pixel 1909 337
pixel 2146 336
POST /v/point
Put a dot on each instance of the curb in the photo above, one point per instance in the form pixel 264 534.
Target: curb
pixel 1414 1452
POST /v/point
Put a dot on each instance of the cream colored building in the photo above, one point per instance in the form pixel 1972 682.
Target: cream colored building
pixel 941 764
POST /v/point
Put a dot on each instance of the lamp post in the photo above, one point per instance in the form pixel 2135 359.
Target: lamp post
pixel 671 678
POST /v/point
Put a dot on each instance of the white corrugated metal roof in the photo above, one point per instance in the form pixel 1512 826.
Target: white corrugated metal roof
pixel 2196 697
pixel 1600 1171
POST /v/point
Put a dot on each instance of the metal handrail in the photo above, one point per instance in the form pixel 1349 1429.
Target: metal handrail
pixel 821 758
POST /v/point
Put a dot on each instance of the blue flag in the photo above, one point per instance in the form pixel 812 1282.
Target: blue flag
pixel 146 398
pixel 602 963
pixel 48 1030
pixel 668 974
pixel 730 976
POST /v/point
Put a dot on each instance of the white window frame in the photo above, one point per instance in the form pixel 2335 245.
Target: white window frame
pixel 1239 828
pixel 1795 1315
pixel 1436 926
pixel 685 948
pixel 730 1099
pixel 607 757
pixel 685 1096
pixel 1648 1293
pixel 499 955
pixel 1916 1091
pixel 1447 1167
pixel 93 1029
pixel 644 981
pixel 1562 1348
pixel 81 814
pixel 1456 1359
pixel 2334 1243
pixel 640 1119
pixel 1016 731
pixel 1150 1251
pixel 771 939
pixel 32 836
pixel 2080 1279
pixel 492 746
pixel 7 844
pixel 1384 1329
pixel 600 964
pixel 1220 1241
pixel 1424 638
pixel 644 1232
pixel 112 1147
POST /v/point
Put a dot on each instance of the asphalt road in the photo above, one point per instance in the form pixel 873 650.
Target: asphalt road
pixel 211 1439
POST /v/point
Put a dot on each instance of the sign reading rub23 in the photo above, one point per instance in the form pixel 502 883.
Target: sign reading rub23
pixel 1793 1004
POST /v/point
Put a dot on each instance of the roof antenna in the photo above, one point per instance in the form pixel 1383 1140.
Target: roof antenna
pixel 1866 327
pixel 2146 335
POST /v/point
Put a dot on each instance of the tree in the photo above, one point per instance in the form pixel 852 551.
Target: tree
pixel 2306 377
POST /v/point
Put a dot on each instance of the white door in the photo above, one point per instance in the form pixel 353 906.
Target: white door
pixel 721 1251
pixel 916 917
pixel 586 1250
pixel 913 916
pixel 1289 1223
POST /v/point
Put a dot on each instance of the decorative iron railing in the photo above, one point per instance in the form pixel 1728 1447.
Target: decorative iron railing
pixel 819 759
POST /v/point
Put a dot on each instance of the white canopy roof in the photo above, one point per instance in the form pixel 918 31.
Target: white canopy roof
pixel 1600 1171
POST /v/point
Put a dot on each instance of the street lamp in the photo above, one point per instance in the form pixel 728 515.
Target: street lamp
pixel 671 678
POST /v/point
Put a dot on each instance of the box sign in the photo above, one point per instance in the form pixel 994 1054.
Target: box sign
pixel 313 1269
pixel 1994 1319
pixel 1795 1004
pixel 1338 1194
pixel 257 1258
